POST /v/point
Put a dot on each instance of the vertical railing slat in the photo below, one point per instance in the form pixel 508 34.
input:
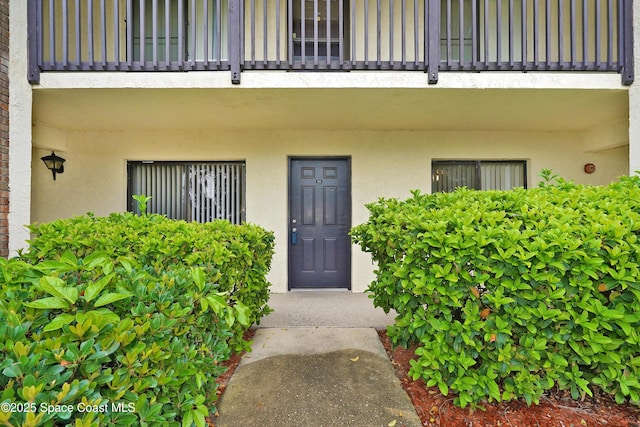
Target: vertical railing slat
pixel 524 31
pixel 610 33
pixel 391 31
pixel 265 39
pixel 194 33
pixel 154 33
pixel 403 17
pixel 561 32
pixel 379 34
pixel 142 34
pixel 460 32
pixel 103 34
pixel 341 33
pixel 290 32
pixel 427 43
pixel 252 42
pixel 328 33
pixel 278 29
pixel 416 34
pixel 585 34
pixel 366 34
pixel 78 35
pixel 598 36
pixel 474 34
pixel 129 20
pixel 303 35
pixel 65 34
pixel 315 32
pixel 536 33
pixel 181 36
pixel 52 33
pixel 448 36
pixel 547 24
pixel 511 34
pixel 621 22
pixel 167 35
pixel 218 33
pixel 499 32
pixel 205 33
pixel 572 33
pixel 116 34
pixel 486 33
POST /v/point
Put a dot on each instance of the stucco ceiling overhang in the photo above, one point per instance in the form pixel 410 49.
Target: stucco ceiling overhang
pixel 396 109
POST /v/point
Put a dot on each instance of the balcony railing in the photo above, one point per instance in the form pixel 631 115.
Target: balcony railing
pixel 341 35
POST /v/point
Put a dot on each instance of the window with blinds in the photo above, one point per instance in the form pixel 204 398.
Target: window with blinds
pixel 447 175
pixel 193 191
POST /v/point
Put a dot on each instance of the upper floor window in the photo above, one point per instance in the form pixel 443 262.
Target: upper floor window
pixel 447 175
pixel 192 191
pixel 179 30
pixel 321 25
pixel 456 30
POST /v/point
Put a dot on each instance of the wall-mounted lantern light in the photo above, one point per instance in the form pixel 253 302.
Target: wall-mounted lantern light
pixel 54 163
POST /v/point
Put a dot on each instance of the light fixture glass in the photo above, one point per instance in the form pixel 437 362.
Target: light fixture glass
pixel 54 163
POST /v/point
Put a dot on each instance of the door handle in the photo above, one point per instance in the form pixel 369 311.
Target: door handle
pixel 294 236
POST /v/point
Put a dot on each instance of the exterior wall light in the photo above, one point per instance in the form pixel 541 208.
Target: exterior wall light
pixel 54 163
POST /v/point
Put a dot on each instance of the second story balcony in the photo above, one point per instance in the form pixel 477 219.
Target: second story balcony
pixel 428 36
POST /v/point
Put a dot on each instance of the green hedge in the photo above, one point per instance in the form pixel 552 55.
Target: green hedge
pixel 134 329
pixel 236 257
pixel 512 293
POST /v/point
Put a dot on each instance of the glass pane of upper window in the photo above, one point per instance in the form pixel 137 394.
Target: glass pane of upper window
pixel 152 27
pixel 318 22
pixel 192 30
pixel 451 21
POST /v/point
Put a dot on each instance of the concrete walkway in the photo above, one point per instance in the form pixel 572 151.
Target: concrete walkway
pixel 342 309
pixel 317 361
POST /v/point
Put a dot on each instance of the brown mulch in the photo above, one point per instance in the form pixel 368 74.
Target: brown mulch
pixel 232 364
pixel 436 410
pixel 554 410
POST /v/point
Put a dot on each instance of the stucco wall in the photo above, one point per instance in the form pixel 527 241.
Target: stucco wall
pixel 387 164
pixel 20 118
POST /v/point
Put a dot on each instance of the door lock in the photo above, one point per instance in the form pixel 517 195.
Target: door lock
pixel 294 236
